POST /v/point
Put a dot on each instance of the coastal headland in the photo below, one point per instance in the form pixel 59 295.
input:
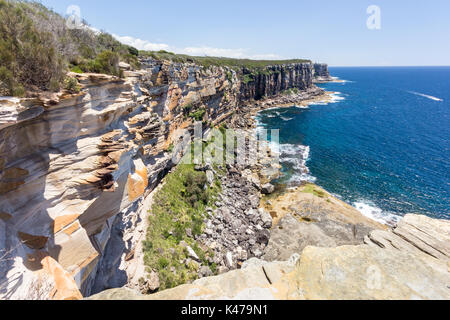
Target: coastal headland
pixel 93 195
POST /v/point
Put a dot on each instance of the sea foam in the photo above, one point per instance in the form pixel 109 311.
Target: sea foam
pixel 371 211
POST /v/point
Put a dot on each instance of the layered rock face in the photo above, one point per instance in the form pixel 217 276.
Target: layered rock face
pixel 71 163
pixel 321 73
pixel 276 79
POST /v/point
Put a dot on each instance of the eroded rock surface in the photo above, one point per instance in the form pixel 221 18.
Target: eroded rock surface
pixel 74 168
pixel 313 219
pixel 342 273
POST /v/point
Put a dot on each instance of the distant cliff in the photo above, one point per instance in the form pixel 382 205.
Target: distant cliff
pixel 276 79
pixel 321 73
pixel 70 163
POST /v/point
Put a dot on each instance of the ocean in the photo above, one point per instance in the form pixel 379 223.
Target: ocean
pixel 382 145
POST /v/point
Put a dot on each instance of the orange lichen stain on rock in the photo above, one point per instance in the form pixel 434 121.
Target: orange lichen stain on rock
pixel 14 173
pixel 191 97
pixel 137 183
pixel 174 96
pixel 63 221
pixel 72 228
pixel 154 104
pixel 31 241
pixel 6 187
pixel 5 216
pixel 65 285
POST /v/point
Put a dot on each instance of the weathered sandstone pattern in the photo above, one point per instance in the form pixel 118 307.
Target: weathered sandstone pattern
pixel 71 163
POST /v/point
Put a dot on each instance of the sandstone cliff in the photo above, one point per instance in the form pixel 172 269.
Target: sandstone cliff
pixel 71 164
pixel 276 79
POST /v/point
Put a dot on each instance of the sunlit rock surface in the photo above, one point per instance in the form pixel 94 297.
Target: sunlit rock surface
pixel 73 165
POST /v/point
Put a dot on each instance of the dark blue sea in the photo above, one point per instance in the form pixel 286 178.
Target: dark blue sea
pixel 382 145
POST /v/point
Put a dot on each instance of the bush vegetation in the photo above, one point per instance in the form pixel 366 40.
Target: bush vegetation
pixel 198 115
pixel 179 205
pixel 291 91
pixel 37 49
pixel 236 64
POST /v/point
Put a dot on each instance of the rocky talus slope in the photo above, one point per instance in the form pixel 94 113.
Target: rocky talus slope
pixel 412 261
pixel 76 169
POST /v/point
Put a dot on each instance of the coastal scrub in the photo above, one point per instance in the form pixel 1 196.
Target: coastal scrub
pixel 176 218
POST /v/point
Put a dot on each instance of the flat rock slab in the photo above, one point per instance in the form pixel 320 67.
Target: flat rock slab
pixel 293 234
pixel 250 283
pixel 363 272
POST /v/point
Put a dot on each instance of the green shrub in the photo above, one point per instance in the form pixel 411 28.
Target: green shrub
pixel 72 85
pixel 198 115
pixel 230 76
pixel 133 51
pixel 106 62
pixel 248 78
pixel 76 69
pixel 28 54
pixel 36 48
pixel 291 91
pixel 163 263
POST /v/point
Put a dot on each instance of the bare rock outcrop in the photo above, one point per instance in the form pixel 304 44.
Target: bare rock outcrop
pixel 365 271
pixel 321 73
pixel 410 262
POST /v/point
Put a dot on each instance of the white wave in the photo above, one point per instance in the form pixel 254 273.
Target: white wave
pixel 299 178
pixel 426 96
pixel 368 209
pixel 286 119
pixel 336 97
pixel 297 156
pixel 301 107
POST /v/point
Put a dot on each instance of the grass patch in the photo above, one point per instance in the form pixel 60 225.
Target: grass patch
pixel 290 92
pixel 314 190
pixel 198 115
pixel 178 206
pixel 247 78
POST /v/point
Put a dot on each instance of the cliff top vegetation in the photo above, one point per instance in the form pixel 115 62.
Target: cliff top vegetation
pixel 251 65
pixel 37 49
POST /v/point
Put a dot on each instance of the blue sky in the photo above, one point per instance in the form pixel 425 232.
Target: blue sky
pixel 335 32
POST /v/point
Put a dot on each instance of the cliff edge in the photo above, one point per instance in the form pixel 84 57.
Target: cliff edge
pixel 409 262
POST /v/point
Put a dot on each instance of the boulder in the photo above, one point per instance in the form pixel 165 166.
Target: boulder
pixel 263 237
pixel 266 218
pixel 268 188
pixel 192 253
pixel 229 260
pixel 124 66
pixel 150 284
pixel 210 177
pixel 373 271
pixel 205 272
